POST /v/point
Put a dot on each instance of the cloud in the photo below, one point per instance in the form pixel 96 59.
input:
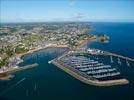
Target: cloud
pixel 79 16
pixel 74 17
pixel 72 2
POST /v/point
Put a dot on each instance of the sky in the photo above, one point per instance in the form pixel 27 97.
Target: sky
pixel 66 10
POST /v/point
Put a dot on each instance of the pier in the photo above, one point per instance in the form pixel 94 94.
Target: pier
pixel 111 58
pixel 119 61
pixel 89 70
pixel 88 79
pixel 117 55
pixel 102 52
pixel 127 63
pixel 105 53
pixel 28 66
pixel 8 74
pixel 86 66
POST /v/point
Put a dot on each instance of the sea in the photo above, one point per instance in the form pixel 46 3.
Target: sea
pixel 47 82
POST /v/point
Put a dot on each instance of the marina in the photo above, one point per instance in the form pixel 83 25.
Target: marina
pixel 86 66
pixel 97 52
pixel 50 82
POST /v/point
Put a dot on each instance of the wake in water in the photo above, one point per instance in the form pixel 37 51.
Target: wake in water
pixel 13 86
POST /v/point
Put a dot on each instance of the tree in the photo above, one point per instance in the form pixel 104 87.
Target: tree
pixel 4 62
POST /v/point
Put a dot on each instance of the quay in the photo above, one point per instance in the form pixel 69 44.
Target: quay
pixel 88 70
pixel 89 80
pixel 28 66
pixel 8 74
pixel 117 55
pixel 102 52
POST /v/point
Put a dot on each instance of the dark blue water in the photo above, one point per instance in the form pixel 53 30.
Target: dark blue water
pixel 121 37
pixel 54 84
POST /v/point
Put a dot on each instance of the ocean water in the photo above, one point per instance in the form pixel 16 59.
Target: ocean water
pixel 121 37
pixel 47 82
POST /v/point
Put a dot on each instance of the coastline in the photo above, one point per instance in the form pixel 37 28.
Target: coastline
pixel 8 74
pixel 38 49
pixel 86 80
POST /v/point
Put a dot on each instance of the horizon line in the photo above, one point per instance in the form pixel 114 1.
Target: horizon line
pixel 65 21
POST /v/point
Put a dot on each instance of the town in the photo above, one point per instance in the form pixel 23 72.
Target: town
pixel 17 39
